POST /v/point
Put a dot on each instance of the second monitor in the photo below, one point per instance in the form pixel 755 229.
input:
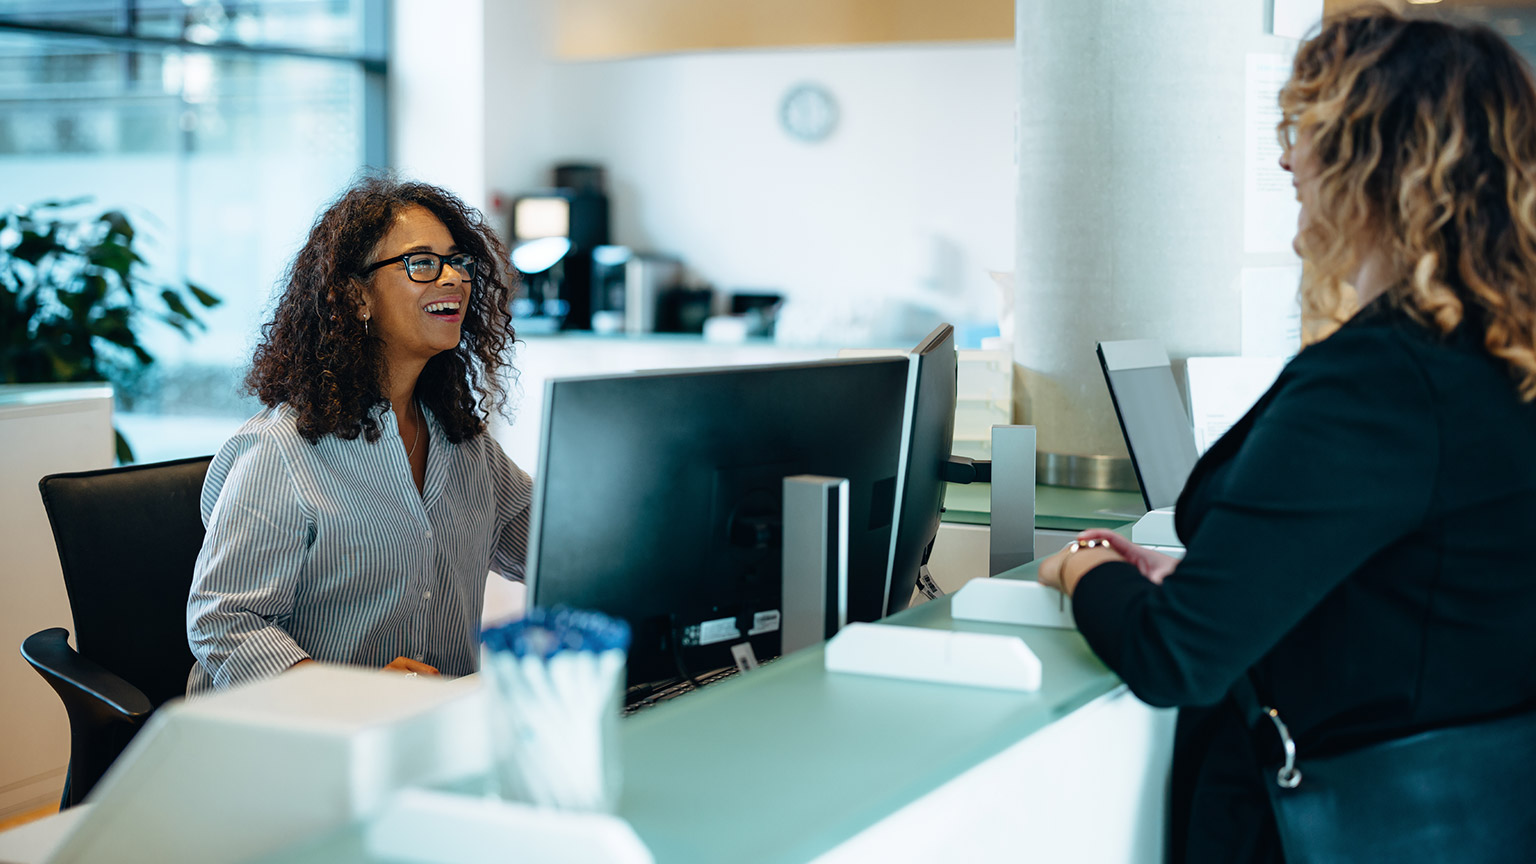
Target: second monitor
pixel 929 436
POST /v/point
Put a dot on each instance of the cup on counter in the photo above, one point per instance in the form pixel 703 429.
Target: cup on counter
pixel 555 684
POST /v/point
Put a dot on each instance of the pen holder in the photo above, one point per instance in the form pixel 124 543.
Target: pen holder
pixel 555 682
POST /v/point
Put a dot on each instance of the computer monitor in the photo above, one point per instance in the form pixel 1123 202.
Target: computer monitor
pixel 1158 433
pixel 658 498
pixel 929 435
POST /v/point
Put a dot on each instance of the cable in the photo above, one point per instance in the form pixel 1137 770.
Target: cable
pixel 676 637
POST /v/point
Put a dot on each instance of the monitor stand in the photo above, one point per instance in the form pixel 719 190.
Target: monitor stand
pixel 814 560
pixel 1011 528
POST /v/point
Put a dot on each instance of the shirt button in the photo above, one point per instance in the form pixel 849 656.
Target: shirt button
pixel 420 657
pixel 429 533
pixel 427 596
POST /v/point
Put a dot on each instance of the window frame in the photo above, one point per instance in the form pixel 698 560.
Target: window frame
pixel 372 61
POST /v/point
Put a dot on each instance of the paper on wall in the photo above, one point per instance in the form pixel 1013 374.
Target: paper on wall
pixel 1222 389
pixel 1271 311
pixel 1293 19
pixel 1269 200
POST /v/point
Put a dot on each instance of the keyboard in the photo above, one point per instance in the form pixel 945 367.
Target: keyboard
pixel 643 696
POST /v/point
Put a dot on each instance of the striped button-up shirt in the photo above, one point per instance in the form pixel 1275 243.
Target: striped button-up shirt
pixel 327 551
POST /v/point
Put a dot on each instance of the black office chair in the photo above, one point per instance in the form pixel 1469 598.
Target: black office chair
pixel 128 538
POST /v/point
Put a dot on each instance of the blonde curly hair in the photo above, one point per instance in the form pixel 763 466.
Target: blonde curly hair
pixel 1424 133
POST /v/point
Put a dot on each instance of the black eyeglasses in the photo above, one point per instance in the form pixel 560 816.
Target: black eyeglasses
pixel 427 266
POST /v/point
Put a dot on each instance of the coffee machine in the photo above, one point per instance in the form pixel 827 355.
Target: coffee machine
pixel 553 234
pixel 627 287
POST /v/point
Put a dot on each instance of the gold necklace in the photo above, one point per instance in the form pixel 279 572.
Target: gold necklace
pixel 415 439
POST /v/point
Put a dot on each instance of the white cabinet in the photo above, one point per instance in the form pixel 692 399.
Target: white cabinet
pixel 44 429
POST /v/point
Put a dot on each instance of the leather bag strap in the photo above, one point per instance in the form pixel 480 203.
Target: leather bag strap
pixel 1288 776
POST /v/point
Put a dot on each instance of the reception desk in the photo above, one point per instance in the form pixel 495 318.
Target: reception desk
pixel 792 763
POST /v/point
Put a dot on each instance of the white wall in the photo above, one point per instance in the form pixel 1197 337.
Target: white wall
pixel 911 199
pixel 436 92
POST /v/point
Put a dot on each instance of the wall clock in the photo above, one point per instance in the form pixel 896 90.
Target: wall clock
pixel 808 113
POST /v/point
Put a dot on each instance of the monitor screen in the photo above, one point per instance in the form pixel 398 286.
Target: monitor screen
pixel 537 216
pixel 658 498
pixel 1158 433
pixel 929 437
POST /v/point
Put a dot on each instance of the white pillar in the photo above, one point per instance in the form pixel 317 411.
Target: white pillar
pixel 1130 204
pixel 437 95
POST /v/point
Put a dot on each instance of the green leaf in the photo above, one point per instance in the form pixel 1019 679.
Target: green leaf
pixel 78 304
pixel 94 287
pixel 115 332
pixel 34 246
pixel 124 452
pixel 178 322
pixel 114 256
pixel 63 369
pixel 208 300
pixel 117 225
pixel 65 346
pixel 176 304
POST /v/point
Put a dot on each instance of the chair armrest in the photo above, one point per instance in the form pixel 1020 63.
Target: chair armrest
pixel 73 675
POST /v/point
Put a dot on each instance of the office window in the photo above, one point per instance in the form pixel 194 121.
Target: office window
pixel 220 129
pixel 339 27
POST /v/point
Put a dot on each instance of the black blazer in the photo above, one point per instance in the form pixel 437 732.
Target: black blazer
pixel 1361 541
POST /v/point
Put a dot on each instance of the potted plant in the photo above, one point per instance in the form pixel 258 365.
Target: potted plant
pixel 74 298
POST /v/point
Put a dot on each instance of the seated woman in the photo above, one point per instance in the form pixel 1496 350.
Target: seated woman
pixel 354 519
pixel 1356 545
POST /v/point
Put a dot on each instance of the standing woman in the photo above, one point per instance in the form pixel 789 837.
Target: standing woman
pixel 1359 545
pixel 355 518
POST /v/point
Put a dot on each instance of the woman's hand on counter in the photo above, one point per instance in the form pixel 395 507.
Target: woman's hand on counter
pixel 1154 565
pixel 1062 570
pixel 411 667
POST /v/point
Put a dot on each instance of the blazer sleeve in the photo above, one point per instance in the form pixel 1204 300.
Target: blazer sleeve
pixel 244 582
pixel 514 500
pixel 1340 465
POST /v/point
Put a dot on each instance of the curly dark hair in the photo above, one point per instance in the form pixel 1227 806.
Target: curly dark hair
pixel 317 356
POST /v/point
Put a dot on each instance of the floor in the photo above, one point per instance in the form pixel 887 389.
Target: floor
pixel 29 816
